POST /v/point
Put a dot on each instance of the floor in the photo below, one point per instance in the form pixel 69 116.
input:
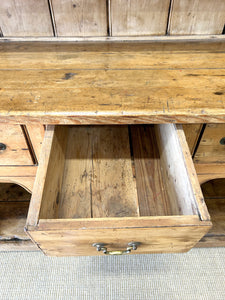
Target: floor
pixel 198 274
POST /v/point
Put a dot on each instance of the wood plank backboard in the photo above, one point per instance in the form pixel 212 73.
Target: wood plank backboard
pixel 197 17
pixel 25 18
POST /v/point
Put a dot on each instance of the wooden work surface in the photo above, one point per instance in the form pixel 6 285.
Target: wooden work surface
pixel 112 83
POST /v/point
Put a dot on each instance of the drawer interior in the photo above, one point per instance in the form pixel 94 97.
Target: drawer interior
pixel 116 171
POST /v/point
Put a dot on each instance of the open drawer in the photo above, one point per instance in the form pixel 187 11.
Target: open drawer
pixel 115 185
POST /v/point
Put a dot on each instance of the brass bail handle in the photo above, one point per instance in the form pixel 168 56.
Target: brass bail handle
pixel 102 247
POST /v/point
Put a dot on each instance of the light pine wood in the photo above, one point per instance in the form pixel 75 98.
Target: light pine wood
pixel 113 88
pixel 76 194
pixel 52 183
pixel 98 179
pixel 166 54
pixel 26 182
pixel 197 17
pixel 114 192
pixel 80 17
pixel 192 132
pixel 53 165
pixel 208 172
pixel 36 136
pixel 25 18
pixel 133 17
pixel 113 223
pixel 210 150
pixel 153 240
pixel 115 39
pixel 17 151
pixel 150 188
pixel 176 177
pixel 197 193
pixel 68 236
pixel 18 171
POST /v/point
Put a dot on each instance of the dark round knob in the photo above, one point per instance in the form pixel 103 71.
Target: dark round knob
pixel 222 141
pixel 2 146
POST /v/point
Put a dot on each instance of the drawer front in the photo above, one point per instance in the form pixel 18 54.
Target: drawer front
pixel 212 145
pixel 171 238
pixel 14 149
pixel 116 185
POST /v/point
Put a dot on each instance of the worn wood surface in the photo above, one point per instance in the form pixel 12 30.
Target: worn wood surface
pixel 76 194
pixel 197 17
pixel 49 184
pixel 211 148
pixel 17 151
pixel 176 170
pixel 121 83
pixel 80 17
pixel 56 236
pixel 25 18
pixel 209 171
pixel 133 17
pixel 114 191
pixel 192 133
pixel 49 176
pixel 153 199
pixel 36 136
pixel 18 171
pixel 153 240
pixel 202 209
pixel 27 182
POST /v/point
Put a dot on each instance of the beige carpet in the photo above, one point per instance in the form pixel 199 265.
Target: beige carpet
pixel 198 274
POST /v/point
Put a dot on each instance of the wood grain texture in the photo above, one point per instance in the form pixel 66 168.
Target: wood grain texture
pixel 110 149
pixel 113 88
pixel 197 17
pixel 25 182
pixel 153 240
pixel 17 151
pixel 211 148
pixel 76 194
pixel 98 179
pixel 18 171
pixel 25 18
pixel 192 132
pixel 175 174
pixel 114 192
pixel 36 136
pixel 51 170
pixel 150 186
pixel 133 17
pixel 48 186
pixel 80 17
pixel 190 169
pixel 208 172
pixel 113 223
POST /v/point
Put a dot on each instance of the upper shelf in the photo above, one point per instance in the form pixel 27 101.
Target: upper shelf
pixel 105 82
